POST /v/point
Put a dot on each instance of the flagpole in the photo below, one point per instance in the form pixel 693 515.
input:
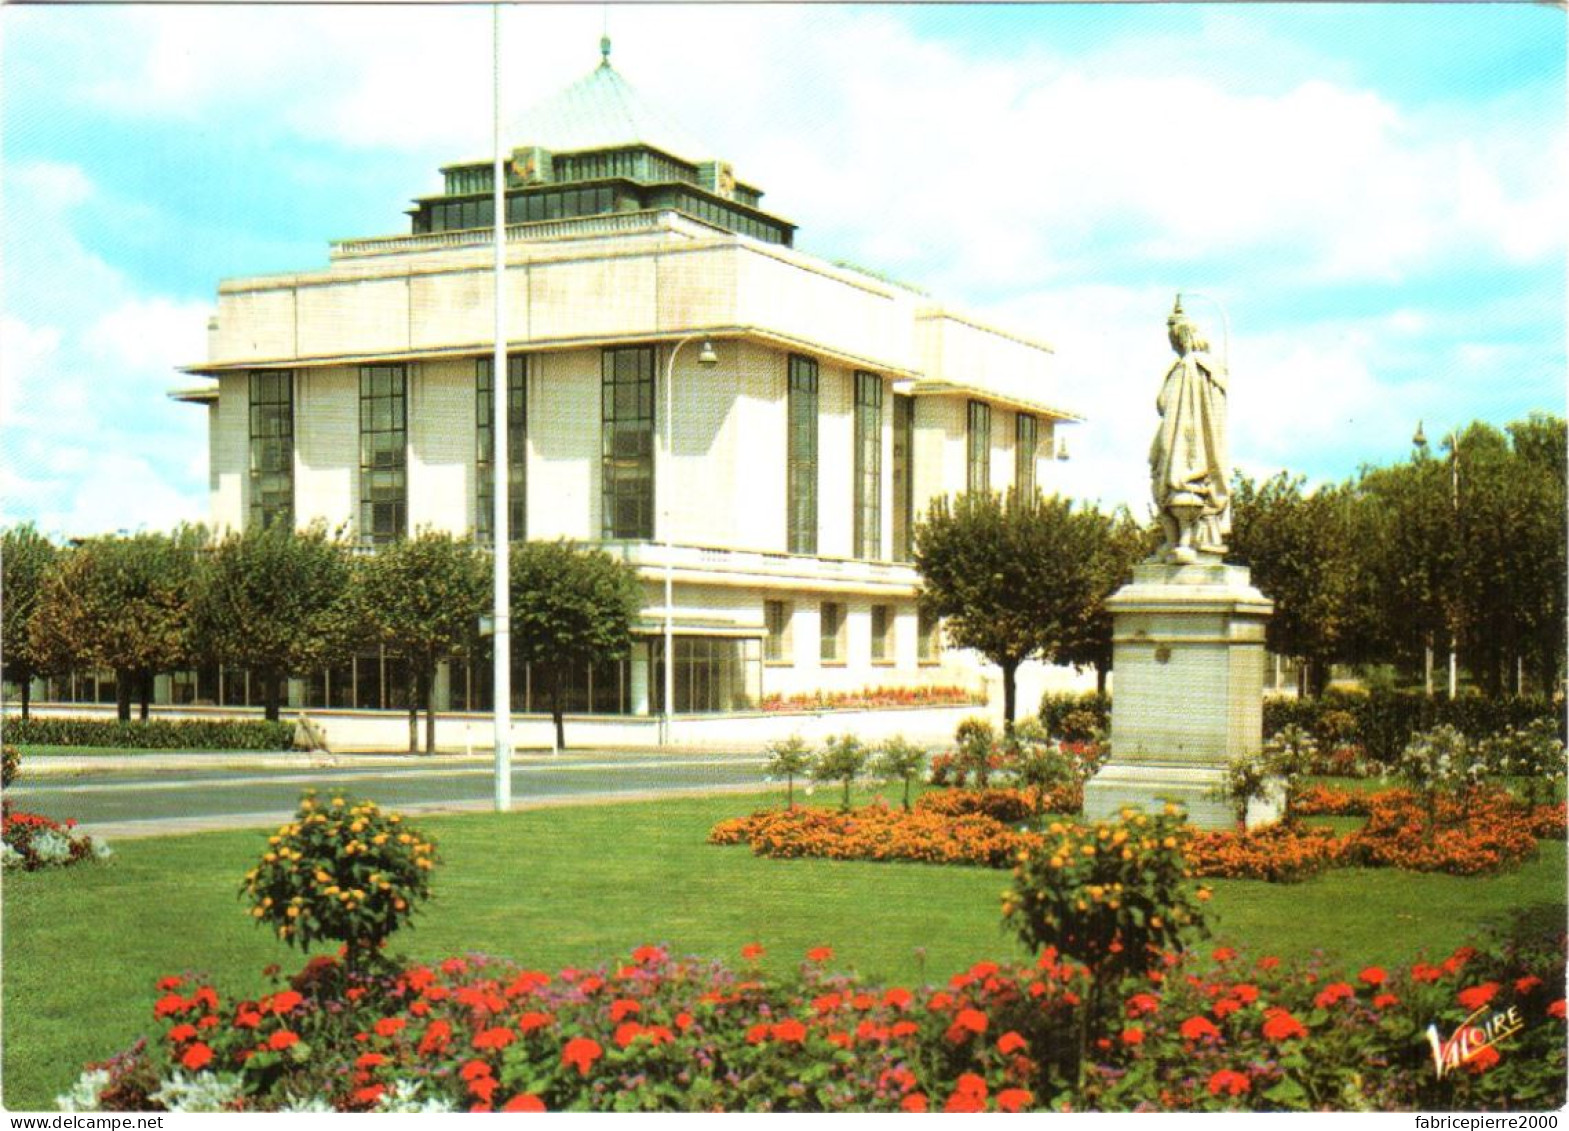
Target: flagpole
pixel 500 467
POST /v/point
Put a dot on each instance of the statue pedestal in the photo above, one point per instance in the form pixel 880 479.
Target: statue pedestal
pixel 1188 664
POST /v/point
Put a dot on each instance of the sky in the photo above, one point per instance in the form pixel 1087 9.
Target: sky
pixel 1365 203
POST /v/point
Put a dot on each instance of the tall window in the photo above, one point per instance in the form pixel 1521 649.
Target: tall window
pixel 1026 437
pixel 927 641
pixel 882 634
pixel 802 456
pixel 384 494
pixel 272 447
pixel 868 465
pixel 627 423
pixel 979 450
pixel 832 623
pixel 903 477
pixel 485 452
pixel 778 647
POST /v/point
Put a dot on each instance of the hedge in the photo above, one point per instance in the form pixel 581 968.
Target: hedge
pixel 1056 706
pixel 156 734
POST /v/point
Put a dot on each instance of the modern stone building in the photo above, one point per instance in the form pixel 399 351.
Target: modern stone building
pixel 359 394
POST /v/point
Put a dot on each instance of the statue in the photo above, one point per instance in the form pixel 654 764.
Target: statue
pixel 1190 466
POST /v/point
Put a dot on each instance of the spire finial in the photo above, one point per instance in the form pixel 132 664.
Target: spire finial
pixel 604 50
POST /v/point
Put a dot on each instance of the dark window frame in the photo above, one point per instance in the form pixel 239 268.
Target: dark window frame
pixel 628 421
pixel 485 447
pixel 384 478
pixel 868 494
pixel 903 478
pixel 801 455
pixel 978 448
pixel 1026 448
pixel 270 431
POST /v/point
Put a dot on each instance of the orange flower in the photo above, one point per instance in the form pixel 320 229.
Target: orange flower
pixel 167 984
pixel 820 954
pixel 751 951
pixel 1279 1025
pixel 197 1057
pixel 473 1070
pixel 683 1021
pixel 368 1095
pixel 1014 1099
pixel 482 1088
pixel 789 1031
pixel 1011 1042
pixel 1229 1081
pixel 528 1102
pixel 1526 984
pixel 282 1039
pixel 969 1094
pixel 581 1053
pixel 1476 997
pixel 497 1038
pixel 169 1003
pixel 1195 1028
pixel 1223 954
pixel 757 1034
pixel 909 1028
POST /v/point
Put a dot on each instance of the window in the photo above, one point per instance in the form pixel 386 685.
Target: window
pixel 802 456
pixel 712 673
pixel 383 453
pixel 1026 435
pixel 517 449
pixel 903 477
pixel 927 641
pixel 272 447
pixel 868 465
pixel 779 645
pixel 627 429
pixel 832 633
pixel 882 634
pixel 979 450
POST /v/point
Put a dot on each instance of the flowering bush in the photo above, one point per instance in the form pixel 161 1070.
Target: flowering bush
pixel 340 871
pixel 1533 754
pixel 31 841
pixel 1010 806
pixel 654 1033
pixel 1283 853
pixel 1485 831
pixel 12 765
pixel 877 832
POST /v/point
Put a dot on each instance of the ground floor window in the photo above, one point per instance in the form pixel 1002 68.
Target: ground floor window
pixel 831 629
pixel 882 634
pixel 713 674
pixel 778 645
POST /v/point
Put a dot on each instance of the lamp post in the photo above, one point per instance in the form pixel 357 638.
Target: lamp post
pixel 1419 441
pixel 501 673
pixel 707 358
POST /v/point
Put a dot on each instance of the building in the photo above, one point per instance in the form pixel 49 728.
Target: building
pixel 841 403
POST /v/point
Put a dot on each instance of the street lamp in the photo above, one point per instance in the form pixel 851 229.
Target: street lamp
pixel 707 358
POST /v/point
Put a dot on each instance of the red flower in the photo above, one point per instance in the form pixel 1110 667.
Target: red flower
pixel 1196 1027
pixel 1373 976
pixel 1014 1099
pixel 1231 1082
pixel 533 1020
pixel 841 1039
pixel 436 1037
pixel 368 1095
pixel 454 966
pixel 757 1034
pixel 915 1101
pixel 1279 1025
pixel 1484 1058
pixel 474 1069
pixel 827 1003
pixel 1133 1035
pixel 167 984
pixel 196 1057
pixel 482 1088
pixel 909 1028
pixel 683 1021
pixel 1527 984
pixel 389 1026
pixel 285 1001
pixel 1223 954
pixel 1268 962
pixel 375 1060
pixel 1556 1009
pixel 1245 993
pixel 621 1007
pixel 182 1032
pixel 626 1033
pixel 969 1094
pixel 247 1019
pixel 751 951
pixel 581 1053
pixel 1330 994
pixel 967 1022
pixel 1226 1006
pixel 820 954
pixel 528 1102
pixel 1424 972
pixel 497 1038
pixel 645 954
pixel 591 984
pixel 169 1003
pixel 1140 1004
pixel 1384 1001
pixel 1011 1042
pixel 898 997
pixel 790 1031
pixel 282 1039
pixel 1476 997
pixel 941 1000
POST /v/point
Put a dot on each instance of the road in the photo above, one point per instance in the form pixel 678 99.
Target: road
pixel 131 802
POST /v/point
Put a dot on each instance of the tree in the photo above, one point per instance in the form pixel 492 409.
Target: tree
pixel 274 600
pixel 840 760
pixel 1013 577
pixel 422 599
pixel 26 557
pixel 1120 544
pixel 898 760
pixel 570 607
pixel 121 603
pixel 788 759
pixel 1299 546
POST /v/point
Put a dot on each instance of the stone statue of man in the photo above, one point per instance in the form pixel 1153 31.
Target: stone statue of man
pixel 1190 464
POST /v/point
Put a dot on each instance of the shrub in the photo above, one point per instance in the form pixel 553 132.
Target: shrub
pixel 340 871
pixel 12 764
pixel 899 761
pixel 840 760
pixel 1435 763
pixel 1009 806
pixel 788 759
pixel 155 734
pixel 1532 753
pixel 1075 717
pixel 31 842
pixel 977 753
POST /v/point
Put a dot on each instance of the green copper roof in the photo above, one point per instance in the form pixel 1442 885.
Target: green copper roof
pixel 602 111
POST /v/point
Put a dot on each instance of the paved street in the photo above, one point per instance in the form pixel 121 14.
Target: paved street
pixel 135 802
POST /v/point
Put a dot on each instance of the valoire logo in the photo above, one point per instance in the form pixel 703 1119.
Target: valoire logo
pixel 1473 1039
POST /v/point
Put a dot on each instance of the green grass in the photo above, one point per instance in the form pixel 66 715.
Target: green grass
pixel 82 947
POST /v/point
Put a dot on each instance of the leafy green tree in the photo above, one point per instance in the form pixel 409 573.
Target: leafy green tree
pixel 274 600
pixel 1299 547
pixel 26 557
pixel 788 759
pixel 421 598
pixel 898 760
pixel 840 760
pixel 1120 544
pixel 570 607
pixel 123 603
pixel 1014 577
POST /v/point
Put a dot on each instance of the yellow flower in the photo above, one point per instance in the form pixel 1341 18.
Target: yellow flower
pixel 379 839
pixel 258 912
pixel 1089 850
pixel 292 912
pixel 337 803
pixel 322 877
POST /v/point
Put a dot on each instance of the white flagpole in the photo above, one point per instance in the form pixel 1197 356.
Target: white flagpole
pixel 499 465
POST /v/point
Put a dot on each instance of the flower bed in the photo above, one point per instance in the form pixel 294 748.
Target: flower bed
pixel 31 841
pixel 1006 805
pixel 656 1033
pixel 875 697
pixel 877 832
pixel 1282 853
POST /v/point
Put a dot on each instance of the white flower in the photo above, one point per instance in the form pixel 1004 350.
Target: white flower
pixel 51 847
pixel 102 850
pixel 10 857
pixel 201 1092
pixel 314 1105
pixel 83 1095
pixel 404 1097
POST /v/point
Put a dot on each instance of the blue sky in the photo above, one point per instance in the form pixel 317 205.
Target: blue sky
pixel 1373 193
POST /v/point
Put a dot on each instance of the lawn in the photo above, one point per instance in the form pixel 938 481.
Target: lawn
pixel 82 947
